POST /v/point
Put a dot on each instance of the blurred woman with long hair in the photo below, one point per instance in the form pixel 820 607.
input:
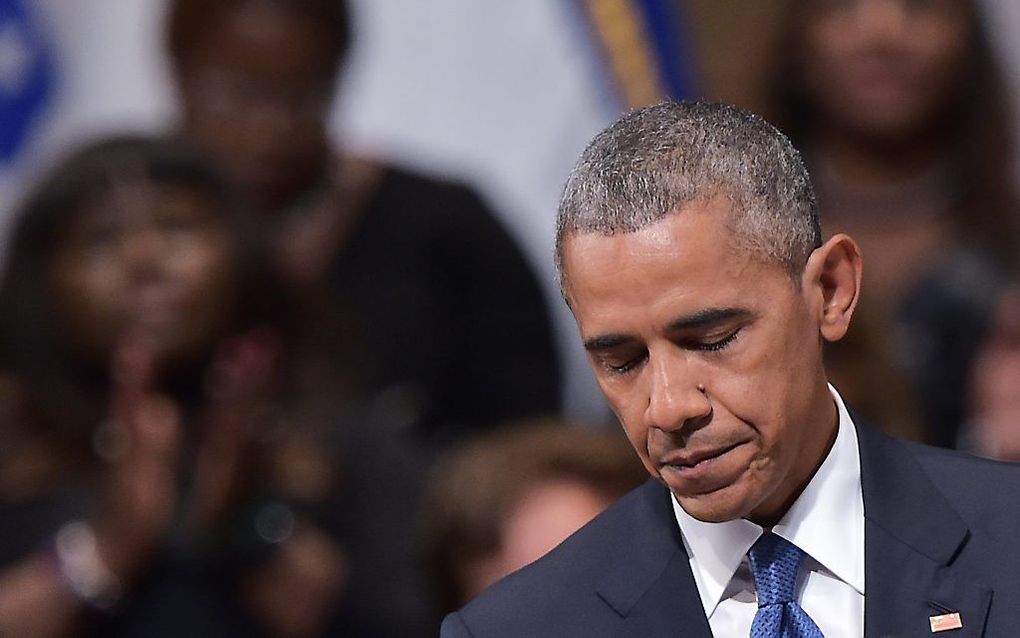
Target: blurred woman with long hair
pixel 148 484
pixel 903 118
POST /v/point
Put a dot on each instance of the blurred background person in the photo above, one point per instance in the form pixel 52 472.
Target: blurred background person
pixel 149 484
pixel 993 424
pixel 456 328
pixel 1003 19
pixel 504 499
pixel 500 95
pixel 904 121
pixel 420 266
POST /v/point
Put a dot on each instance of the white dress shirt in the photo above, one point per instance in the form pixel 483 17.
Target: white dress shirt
pixel 826 521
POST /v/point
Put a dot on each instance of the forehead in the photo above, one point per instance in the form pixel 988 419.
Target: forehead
pixel 687 262
pixel 263 39
pixel 141 201
pixel 142 196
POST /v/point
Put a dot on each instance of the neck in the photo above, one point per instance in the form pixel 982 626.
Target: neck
pixel 876 163
pixel 882 187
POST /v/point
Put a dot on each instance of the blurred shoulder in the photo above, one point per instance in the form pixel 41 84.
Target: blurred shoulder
pixel 557 594
pixel 429 193
pixel 966 476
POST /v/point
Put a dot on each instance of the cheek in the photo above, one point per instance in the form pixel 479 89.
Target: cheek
pixel 206 270
pixel 761 389
pixel 638 438
pixel 941 52
pixel 88 296
pixel 750 383
pixel 203 263
pixel 625 402
pixel 826 44
pixel 91 292
pixel 629 412
pixel 213 128
pixel 773 403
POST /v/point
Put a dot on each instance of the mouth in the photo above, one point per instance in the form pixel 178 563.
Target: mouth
pixel 881 75
pixel 151 315
pixel 158 307
pixel 694 465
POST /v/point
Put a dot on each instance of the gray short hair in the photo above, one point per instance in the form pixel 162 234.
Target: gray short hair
pixel 654 160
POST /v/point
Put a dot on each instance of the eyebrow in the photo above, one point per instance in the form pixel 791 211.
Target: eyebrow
pixel 699 319
pixel 709 317
pixel 606 342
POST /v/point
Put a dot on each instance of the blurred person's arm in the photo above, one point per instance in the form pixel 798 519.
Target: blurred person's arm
pixel 89 564
pixel 34 600
pixel 294 595
pixel 293 591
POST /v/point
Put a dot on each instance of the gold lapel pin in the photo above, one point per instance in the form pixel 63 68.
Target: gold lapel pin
pixel 945 622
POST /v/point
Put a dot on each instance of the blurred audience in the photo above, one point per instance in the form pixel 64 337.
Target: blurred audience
pixel 149 481
pixel 227 360
pixel 903 118
pixel 455 330
pixel 505 499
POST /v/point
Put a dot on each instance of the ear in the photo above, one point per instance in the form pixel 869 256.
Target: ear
pixel 832 284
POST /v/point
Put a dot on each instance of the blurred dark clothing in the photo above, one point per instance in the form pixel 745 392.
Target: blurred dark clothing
pixel 376 513
pixel 191 587
pixel 181 593
pixel 459 331
pixel 944 320
pixel 912 365
pixel 435 315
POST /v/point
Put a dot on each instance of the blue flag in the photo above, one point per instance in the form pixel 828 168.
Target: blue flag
pixel 26 77
pixel 645 48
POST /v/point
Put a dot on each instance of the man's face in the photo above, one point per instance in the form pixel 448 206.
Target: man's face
pixel 676 306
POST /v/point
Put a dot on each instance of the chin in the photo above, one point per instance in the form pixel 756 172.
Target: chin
pixel 713 508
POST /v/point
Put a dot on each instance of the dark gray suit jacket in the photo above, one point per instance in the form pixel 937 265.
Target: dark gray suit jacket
pixel 942 533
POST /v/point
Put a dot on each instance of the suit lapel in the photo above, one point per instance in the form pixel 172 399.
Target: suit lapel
pixel 649 581
pixel 912 536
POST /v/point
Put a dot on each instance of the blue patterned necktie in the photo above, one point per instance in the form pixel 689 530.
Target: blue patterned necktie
pixel 775 563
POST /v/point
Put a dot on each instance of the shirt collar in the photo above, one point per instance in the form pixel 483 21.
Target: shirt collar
pixel 826 521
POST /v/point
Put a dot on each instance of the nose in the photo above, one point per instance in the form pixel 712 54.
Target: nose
pixel 143 250
pixel 270 119
pixel 676 396
pixel 882 19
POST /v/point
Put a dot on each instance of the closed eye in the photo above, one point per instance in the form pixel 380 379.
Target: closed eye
pixel 625 368
pixel 715 345
pixel 612 366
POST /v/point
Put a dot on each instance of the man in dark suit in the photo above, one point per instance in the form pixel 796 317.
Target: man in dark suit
pixel 690 254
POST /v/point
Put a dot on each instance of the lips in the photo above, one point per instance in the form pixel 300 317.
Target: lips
pixel 701 470
pixel 153 302
pixel 692 458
